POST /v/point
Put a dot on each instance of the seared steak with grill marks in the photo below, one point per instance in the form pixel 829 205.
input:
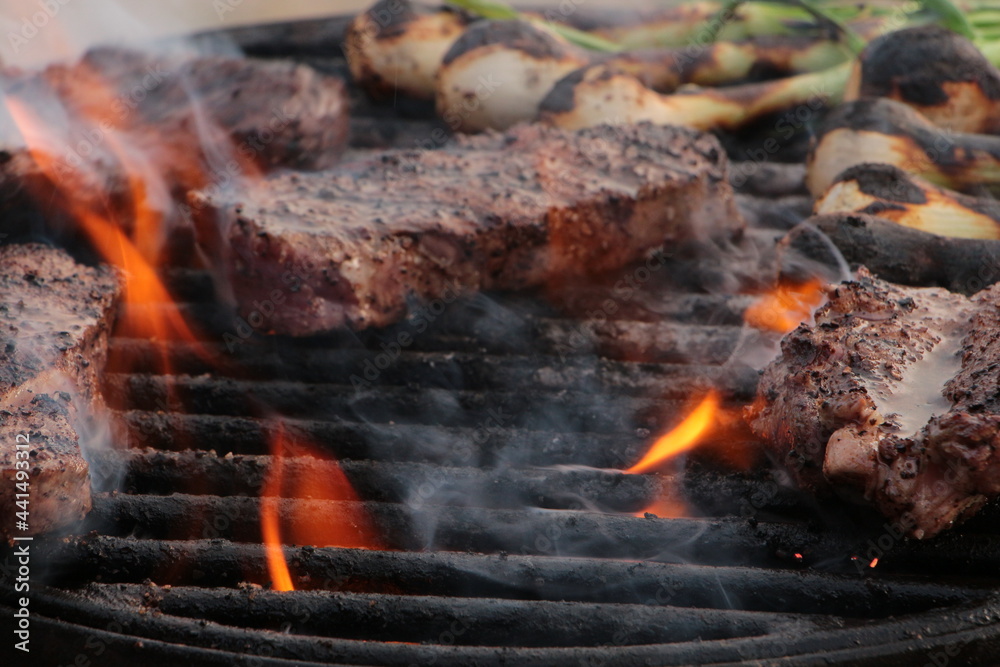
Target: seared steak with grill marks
pixel 893 396
pixel 55 316
pixel 309 252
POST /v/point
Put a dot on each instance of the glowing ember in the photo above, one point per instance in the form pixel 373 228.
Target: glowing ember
pixel 308 521
pixel 786 306
pixel 873 563
pixel 666 508
pixel 682 437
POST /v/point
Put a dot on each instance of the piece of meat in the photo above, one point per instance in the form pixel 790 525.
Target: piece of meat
pixel 120 130
pixel 891 397
pixel 55 316
pixel 276 113
pixel 306 253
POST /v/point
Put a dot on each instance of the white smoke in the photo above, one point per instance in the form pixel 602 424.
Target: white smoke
pixel 37 32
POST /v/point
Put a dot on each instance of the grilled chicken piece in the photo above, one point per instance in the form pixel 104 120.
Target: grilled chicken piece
pixel 890 397
pixel 55 316
pixel 306 253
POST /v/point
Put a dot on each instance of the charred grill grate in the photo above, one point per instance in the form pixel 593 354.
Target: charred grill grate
pixel 509 557
pixel 503 545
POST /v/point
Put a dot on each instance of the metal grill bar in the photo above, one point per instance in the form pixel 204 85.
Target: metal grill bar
pixel 309 650
pixel 629 340
pixel 513 576
pixel 434 369
pixel 878 642
pixel 567 412
pixel 547 532
pixel 171 431
pixel 157 472
pixel 189 286
pixel 416 618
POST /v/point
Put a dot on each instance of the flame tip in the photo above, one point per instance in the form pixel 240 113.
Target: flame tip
pixel 785 306
pixel 682 437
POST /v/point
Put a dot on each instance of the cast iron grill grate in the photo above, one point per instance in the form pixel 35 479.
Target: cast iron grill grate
pixel 514 556
pixel 486 453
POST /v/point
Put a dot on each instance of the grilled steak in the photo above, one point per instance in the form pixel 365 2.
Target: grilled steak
pixel 118 117
pixel 309 252
pixel 54 320
pixel 891 397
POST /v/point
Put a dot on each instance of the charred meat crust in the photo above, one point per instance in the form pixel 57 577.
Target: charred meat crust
pixel 804 397
pixel 54 323
pixel 914 62
pixel 351 247
pixel 840 406
pixel 51 307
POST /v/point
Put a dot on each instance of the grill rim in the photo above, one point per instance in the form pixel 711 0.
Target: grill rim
pixel 968 626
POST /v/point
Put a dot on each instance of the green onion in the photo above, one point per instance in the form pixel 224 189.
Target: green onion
pixel 949 16
pixel 854 41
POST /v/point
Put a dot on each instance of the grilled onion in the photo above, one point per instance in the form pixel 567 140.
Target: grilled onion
pixel 935 71
pixel 396 47
pixel 889 192
pixel 524 61
pixel 496 73
pixel 883 130
pixel 603 94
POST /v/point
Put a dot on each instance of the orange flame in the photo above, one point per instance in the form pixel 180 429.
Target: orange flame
pixel 682 437
pixel 277 566
pixel 305 472
pixel 149 311
pixel 786 306
pixel 137 257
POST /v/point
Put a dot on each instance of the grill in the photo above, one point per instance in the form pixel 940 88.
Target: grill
pixel 486 453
